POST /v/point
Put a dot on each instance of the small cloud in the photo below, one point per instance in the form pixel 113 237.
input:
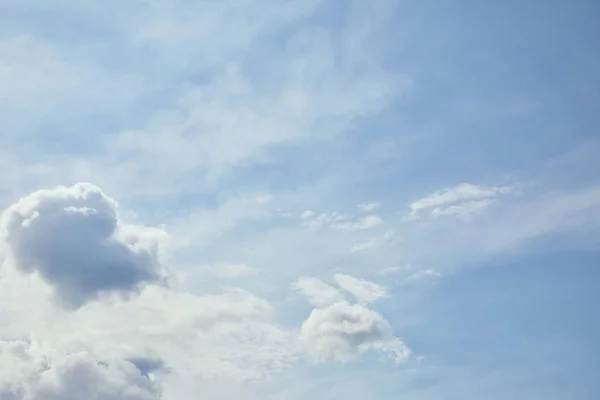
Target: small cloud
pixel 369 207
pixel 458 199
pixel 423 274
pixel 464 209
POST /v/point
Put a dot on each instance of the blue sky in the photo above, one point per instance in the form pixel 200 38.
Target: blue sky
pixel 302 199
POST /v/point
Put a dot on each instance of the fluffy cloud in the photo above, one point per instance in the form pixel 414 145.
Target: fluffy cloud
pixel 25 374
pixel 72 237
pixel 340 331
pixel 344 331
pixel 318 293
pixel 364 291
pixel 181 338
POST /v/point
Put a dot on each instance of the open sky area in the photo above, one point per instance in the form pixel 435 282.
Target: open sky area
pixel 299 200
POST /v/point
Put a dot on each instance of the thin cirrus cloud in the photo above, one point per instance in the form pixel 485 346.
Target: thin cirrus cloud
pixel 465 196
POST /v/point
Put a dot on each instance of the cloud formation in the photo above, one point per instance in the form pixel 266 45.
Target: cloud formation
pixel 25 374
pixel 72 237
pixel 340 331
pixel 344 331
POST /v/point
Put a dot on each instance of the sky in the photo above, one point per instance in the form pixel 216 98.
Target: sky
pixel 300 199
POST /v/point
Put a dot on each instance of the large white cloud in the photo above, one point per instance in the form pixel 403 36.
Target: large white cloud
pixel 28 374
pixel 202 340
pixel 72 237
pixel 344 331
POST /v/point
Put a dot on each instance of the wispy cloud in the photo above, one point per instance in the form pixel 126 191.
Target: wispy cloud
pixel 460 199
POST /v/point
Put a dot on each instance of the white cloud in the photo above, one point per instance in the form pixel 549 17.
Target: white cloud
pixel 228 336
pixel 507 227
pixel 462 209
pixel 26 373
pixel 364 291
pixel 423 274
pixel 463 195
pixel 369 207
pixel 318 293
pixel 344 331
pixel 73 238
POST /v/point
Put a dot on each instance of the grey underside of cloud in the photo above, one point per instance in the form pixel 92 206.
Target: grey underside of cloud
pixel 72 237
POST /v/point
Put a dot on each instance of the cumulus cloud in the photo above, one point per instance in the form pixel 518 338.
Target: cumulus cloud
pixel 72 237
pixel 344 331
pixel 318 293
pixel 364 291
pixel 28 374
pixel 456 197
